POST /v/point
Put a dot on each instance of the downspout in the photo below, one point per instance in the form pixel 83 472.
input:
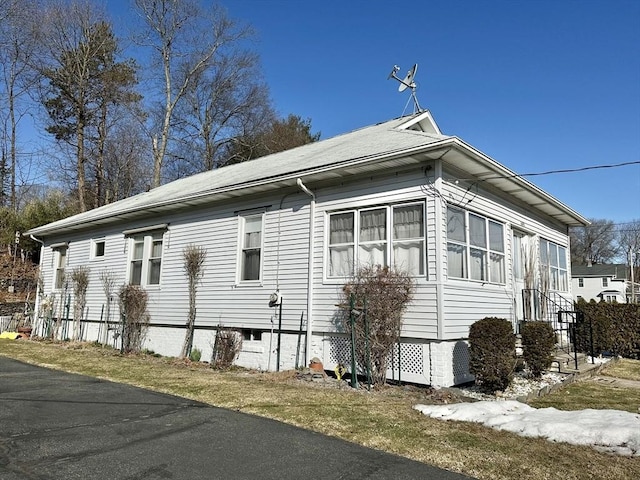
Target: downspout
pixel 36 306
pixel 312 210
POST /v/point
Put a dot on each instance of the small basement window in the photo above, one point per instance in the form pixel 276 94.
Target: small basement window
pixel 251 335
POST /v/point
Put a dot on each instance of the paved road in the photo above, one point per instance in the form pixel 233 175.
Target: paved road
pixel 55 425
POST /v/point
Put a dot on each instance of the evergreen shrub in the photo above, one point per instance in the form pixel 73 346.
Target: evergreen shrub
pixel 538 344
pixel 492 360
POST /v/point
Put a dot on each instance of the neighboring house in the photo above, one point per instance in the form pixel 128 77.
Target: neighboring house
pixel 610 282
pixel 472 233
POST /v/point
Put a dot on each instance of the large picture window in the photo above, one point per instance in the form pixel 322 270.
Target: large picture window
pixel 388 235
pixel 553 265
pixel 251 247
pixel 145 258
pixel 475 247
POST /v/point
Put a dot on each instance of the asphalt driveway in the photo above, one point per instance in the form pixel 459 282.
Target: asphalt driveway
pixel 55 425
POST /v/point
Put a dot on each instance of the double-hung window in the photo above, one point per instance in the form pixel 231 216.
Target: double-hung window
pixel 251 227
pixel 475 247
pixel 387 235
pixel 553 265
pixel 60 259
pixel 145 258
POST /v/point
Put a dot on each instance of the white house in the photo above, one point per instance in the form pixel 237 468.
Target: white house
pixel 608 282
pixel 471 232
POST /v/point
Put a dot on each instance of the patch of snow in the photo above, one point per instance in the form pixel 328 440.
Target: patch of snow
pixel 606 430
pixel 597 360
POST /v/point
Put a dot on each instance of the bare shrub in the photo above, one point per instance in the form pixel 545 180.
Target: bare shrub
pixel 135 318
pixel 108 281
pixel 386 292
pixel 226 348
pixel 79 277
pixel 193 263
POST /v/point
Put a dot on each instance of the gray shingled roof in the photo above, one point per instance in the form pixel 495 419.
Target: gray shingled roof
pixel 617 270
pixel 314 161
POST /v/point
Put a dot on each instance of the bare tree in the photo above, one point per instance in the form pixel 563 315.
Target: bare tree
pixel 193 263
pixel 595 243
pixel 17 42
pixel 108 281
pixel 188 43
pixel 629 248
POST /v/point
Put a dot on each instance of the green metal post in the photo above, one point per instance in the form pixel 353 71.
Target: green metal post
pixel 366 343
pixel 354 373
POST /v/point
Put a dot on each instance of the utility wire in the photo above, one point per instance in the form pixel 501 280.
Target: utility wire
pixel 550 172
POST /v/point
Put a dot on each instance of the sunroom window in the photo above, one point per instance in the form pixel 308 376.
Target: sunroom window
pixel 553 265
pixel 475 247
pixel 386 235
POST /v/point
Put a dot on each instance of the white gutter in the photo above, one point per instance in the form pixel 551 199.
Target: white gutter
pixel 312 210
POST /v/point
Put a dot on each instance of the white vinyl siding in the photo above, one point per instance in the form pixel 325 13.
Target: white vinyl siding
pixel 363 237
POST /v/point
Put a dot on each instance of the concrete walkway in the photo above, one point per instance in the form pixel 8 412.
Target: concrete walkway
pixel 55 425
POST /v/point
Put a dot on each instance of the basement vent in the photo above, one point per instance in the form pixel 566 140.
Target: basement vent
pixel 411 359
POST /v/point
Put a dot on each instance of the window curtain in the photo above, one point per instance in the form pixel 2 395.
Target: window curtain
pixel 497 268
pixel 477 231
pixel 408 223
pixel 373 226
pixel 373 236
pixel 456 260
pixel 341 228
pixel 341 256
pixel 455 225
pixel 408 257
pixel 477 262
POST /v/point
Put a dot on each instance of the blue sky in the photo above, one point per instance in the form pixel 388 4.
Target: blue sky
pixel 537 85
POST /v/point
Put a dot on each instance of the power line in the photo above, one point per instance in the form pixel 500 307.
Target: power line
pixel 551 172
pixel 581 169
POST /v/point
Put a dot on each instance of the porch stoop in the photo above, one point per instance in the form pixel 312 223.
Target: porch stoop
pixel 565 363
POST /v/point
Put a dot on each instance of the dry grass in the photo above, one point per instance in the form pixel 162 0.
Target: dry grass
pixel 625 369
pixel 383 419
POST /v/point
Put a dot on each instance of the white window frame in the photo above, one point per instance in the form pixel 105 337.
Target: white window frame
pixel 605 281
pixel 243 248
pixel 357 246
pixel 484 247
pixel 59 269
pixel 94 248
pixel 147 240
pixel 580 282
pixel 558 274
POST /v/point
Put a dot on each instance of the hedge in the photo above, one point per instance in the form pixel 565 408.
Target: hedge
pixel 615 328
